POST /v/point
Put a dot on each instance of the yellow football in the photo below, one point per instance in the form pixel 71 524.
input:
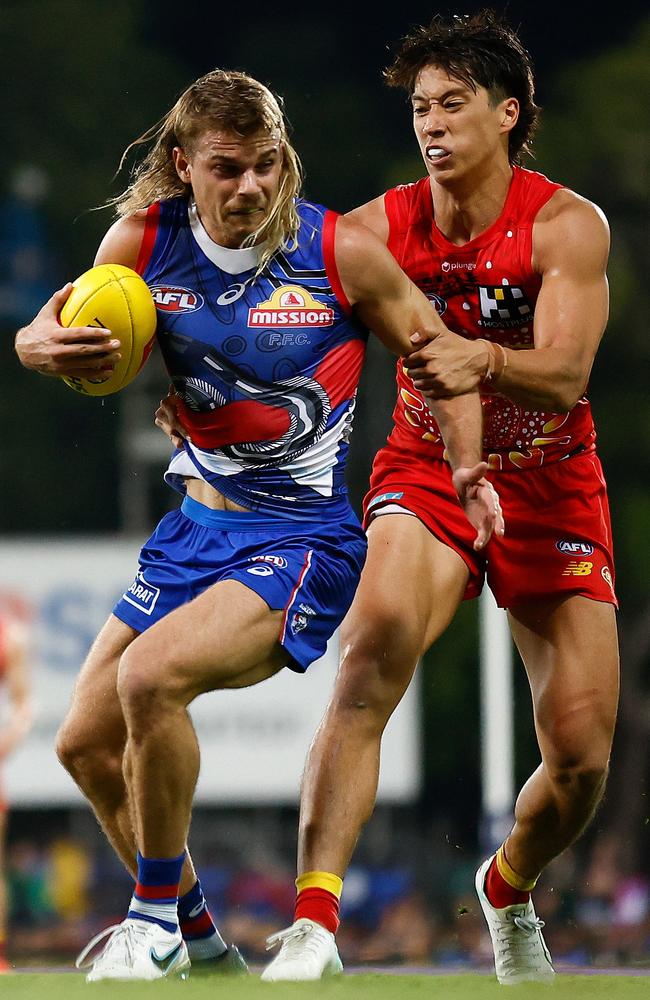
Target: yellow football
pixel 116 298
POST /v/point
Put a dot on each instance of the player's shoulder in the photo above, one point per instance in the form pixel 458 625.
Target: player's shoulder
pixel 373 215
pixel 566 208
pixel 122 242
pixel 354 235
pixel 569 224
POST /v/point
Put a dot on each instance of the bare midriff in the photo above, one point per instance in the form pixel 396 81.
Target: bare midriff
pixel 203 493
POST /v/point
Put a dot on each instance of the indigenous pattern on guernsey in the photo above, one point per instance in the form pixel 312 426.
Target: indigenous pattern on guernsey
pixel 483 289
pixel 265 366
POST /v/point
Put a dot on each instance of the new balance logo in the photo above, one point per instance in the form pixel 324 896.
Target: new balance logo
pixel 578 568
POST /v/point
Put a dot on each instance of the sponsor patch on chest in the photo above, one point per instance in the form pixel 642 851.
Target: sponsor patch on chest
pixel 290 306
pixel 503 306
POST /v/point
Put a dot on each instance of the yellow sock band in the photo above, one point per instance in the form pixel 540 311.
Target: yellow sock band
pixel 320 880
pixel 510 876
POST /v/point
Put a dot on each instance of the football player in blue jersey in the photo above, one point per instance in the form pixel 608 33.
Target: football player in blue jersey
pixel 258 566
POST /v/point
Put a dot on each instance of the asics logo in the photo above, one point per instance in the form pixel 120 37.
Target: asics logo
pixel 166 962
pixel 194 912
pixel 231 294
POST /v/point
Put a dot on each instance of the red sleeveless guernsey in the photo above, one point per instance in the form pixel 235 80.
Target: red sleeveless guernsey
pixel 483 289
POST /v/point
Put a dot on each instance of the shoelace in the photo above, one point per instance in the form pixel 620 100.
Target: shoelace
pixel 126 934
pixel 528 924
pixel 289 938
pixel 515 947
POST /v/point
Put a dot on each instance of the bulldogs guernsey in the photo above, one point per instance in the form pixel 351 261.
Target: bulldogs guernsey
pixel 266 367
pixel 483 289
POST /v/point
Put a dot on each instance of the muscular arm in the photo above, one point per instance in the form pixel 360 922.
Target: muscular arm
pixel 570 250
pixel 18 690
pixel 392 307
pixel 47 347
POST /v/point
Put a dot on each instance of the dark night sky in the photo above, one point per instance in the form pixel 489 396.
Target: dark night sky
pixel 352 38
pixel 326 61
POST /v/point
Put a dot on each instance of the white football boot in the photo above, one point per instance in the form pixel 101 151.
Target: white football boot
pixel 308 951
pixel 520 954
pixel 136 949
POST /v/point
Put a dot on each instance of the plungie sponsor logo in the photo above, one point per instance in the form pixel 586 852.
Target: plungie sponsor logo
pixel 290 305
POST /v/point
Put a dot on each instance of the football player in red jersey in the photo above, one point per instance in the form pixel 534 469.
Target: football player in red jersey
pixel 14 676
pixel 516 265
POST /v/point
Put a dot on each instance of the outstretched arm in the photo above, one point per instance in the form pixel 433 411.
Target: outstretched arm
pixel 394 309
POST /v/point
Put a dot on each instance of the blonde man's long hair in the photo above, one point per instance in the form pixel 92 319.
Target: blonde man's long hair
pixel 228 101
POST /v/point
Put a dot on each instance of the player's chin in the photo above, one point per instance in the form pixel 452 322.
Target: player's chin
pixel 249 221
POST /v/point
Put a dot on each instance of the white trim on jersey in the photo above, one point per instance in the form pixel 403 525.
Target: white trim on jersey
pixel 229 260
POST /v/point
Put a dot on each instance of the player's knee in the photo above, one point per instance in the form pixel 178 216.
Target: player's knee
pixel 143 686
pixel 370 685
pixel 86 756
pixel 582 779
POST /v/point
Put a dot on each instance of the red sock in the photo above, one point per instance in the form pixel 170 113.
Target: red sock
pixel 498 892
pixel 320 906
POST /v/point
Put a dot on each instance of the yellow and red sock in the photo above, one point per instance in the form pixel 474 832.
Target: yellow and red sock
pixel 503 886
pixel 318 899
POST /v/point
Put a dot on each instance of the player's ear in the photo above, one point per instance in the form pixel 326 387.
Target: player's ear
pixel 509 113
pixel 182 165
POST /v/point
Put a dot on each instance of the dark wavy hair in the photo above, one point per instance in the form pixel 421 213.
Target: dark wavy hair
pixel 480 50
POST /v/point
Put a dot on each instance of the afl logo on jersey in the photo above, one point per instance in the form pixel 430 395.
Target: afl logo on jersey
pixel 174 298
pixel 290 305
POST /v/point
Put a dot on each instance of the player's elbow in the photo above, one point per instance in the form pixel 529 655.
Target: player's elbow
pixel 567 391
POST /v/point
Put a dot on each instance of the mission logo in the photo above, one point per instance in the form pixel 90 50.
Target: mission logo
pixel 288 306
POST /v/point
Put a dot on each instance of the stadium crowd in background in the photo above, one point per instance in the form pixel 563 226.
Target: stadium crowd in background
pixel 407 907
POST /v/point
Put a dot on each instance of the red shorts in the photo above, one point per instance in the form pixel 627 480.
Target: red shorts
pixel 558 536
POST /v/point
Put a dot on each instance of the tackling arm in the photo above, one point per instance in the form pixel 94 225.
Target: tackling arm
pixel 570 250
pixel 391 306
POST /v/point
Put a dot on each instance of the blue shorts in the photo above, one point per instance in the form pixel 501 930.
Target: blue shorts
pixel 308 570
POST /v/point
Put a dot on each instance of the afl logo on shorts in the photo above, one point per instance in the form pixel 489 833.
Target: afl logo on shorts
pixel 279 561
pixel 174 298
pixel 575 548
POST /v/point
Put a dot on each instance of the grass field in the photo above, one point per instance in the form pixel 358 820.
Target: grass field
pixel 352 987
